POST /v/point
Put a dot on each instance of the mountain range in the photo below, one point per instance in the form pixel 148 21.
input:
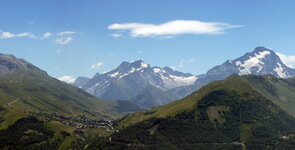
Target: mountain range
pixel 248 103
pixel 25 90
pixel 129 80
pixel 261 61
pixel 148 86
pixel 240 112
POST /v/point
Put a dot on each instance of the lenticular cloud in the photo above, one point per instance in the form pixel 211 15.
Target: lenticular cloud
pixel 173 28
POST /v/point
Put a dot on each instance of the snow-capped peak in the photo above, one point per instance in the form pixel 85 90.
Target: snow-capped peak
pixel 261 61
pixel 246 66
pixel 138 64
pixel 172 79
pixel 139 75
pixel 157 70
pixel 143 65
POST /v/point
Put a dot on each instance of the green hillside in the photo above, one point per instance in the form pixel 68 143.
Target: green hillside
pixel 41 112
pixel 240 112
pixel 27 92
pixel 227 114
pixel 264 85
pixel 280 91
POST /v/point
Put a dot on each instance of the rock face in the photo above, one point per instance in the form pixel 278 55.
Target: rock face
pixel 131 80
pixel 149 86
pixel 31 90
pixel 81 81
pixel 261 61
pixel 9 63
pixel 218 116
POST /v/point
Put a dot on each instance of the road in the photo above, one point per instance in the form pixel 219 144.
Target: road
pixel 9 104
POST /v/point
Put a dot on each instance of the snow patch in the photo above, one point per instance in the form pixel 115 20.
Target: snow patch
pixel 157 70
pixel 114 75
pixel 245 67
pixel 131 71
pixel 143 65
pixel 184 80
pixel 280 71
pixel 97 84
pixel 172 81
pixel 238 63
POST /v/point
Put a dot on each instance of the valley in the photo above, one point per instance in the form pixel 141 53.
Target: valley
pixel 147 86
pixel 147 75
pixel 238 111
pixel 218 116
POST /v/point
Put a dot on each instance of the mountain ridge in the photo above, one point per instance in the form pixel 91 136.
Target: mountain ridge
pixel 9 63
pixel 173 85
pixel 234 82
pixel 228 114
pixel 25 90
pixel 261 61
pixel 129 80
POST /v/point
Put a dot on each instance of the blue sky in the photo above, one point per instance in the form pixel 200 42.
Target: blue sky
pixel 80 38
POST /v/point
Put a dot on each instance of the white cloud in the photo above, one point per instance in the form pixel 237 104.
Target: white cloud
pixel 67 79
pixel 173 67
pixel 95 65
pixel 46 35
pixel 139 52
pixel 65 33
pixel 182 63
pixel 116 35
pixel 173 28
pixel 25 34
pixel 31 22
pixel 185 61
pixel 8 35
pixel 63 40
pixel 287 60
pixel 167 37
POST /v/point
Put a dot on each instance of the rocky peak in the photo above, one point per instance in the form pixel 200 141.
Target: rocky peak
pixel 9 63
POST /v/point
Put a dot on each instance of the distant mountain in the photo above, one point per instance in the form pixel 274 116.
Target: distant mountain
pixel 130 80
pixel 26 90
pixel 149 86
pixel 259 62
pixel 81 81
pixel 151 96
pixel 240 112
pixel 9 63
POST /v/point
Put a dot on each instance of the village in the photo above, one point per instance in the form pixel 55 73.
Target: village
pixel 83 122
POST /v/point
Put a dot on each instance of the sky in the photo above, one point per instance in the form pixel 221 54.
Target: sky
pixel 70 38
